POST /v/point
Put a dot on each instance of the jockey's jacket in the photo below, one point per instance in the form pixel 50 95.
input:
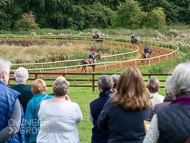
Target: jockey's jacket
pixel 132 35
pixel 96 35
pixel 146 48
pixel 92 53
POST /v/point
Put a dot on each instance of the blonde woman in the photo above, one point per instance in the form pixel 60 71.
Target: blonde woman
pixel 124 113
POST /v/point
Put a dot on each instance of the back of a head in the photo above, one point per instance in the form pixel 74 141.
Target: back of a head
pixel 153 85
pixel 168 87
pixel 146 44
pixel 4 66
pixel 131 91
pixel 21 74
pixel 115 79
pixel 105 82
pixel 38 86
pixel 60 86
pixel 180 81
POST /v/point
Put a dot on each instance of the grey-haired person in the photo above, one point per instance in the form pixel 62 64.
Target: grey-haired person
pixel 171 124
pixel 11 111
pixel 59 117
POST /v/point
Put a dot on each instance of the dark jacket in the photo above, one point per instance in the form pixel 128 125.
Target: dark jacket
pixel 26 93
pixel 167 101
pixel 96 107
pixel 146 48
pixel 7 100
pixel 124 126
pixel 173 122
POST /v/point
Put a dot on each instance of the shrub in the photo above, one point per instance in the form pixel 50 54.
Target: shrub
pixel 27 22
pixel 128 15
pixel 156 18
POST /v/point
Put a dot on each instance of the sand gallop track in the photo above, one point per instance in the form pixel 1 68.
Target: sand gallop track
pixel 156 51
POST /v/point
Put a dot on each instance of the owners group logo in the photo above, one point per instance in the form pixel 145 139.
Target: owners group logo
pixel 30 127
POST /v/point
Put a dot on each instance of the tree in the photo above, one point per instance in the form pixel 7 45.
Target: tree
pixel 128 15
pixel 27 22
pixel 156 18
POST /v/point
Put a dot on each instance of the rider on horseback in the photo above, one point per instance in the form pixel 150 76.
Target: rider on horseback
pixel 91 55
pixel 97 36
pixel 146 50
pixel 132 36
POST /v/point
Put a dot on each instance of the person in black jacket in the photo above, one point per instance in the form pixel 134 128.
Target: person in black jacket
pixel 105 83
pixel 21 77
pixel 124 113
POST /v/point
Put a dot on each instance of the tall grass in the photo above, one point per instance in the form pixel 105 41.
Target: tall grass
pixel 59 51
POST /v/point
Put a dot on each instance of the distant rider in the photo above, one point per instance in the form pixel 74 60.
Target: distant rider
pixel 132 36
pixel 91 55
pixel 97 36
pixel 146 49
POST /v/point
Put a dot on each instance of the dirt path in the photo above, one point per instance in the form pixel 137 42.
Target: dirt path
pixel 156 51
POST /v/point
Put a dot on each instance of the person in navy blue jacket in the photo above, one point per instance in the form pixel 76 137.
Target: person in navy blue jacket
pixel 105 83
pixel 124 113
pixel 11 110
pixel 97 36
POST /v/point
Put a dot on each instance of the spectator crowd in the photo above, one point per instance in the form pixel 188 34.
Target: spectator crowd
pixel 118 115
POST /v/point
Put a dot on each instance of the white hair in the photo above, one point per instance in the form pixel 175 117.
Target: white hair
pixel 180 81
pixel 115 78
pixel 168 85
pixel 4 66
pixel 105 82
pixel 21 74
pixel 60 86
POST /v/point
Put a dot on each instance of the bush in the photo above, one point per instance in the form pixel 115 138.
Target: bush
pixel 128 15
pixel 156 18
pixel 27 22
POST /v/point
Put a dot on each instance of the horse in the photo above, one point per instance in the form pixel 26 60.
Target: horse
pixel 98 40
pixel 134 41
pixel 146 55
pixel 88 61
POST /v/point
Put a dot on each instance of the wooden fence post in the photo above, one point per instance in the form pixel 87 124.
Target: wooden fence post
pixel 36 75
pixel 93 82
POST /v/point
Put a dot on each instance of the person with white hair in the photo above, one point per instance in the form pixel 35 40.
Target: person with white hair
pixel 115 78
pixel 59 117
pixel 11 111
pixel 171 124
pixel 21 77
pixel 105 84
pixel 168 99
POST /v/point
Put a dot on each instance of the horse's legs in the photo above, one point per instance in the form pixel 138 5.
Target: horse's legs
pixel 85 69
pixel 142 58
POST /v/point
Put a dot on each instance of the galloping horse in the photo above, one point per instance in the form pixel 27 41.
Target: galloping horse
pixel 146 55
pixel 88 61
pixel 134 41
pixel 98 40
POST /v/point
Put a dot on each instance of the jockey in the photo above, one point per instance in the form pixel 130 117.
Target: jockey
pixel 146 48
pixel 91 55
pixel 97 36
pixel 132 36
